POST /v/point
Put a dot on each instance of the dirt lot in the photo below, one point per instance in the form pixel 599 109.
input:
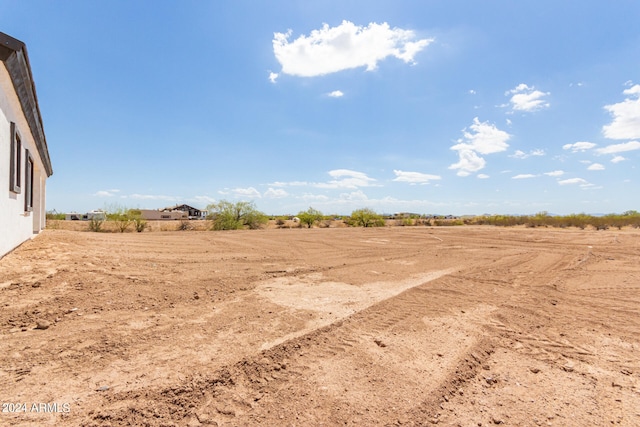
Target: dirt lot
pixel 469 326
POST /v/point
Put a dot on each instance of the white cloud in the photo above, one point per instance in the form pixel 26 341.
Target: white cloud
pixel 524 176
pixel 336 94
pixel 618 159
pixel 619 148
pixel 482 176
pixel 554 173
pixel 484 138
pixel 519 154
pixel 596 167
pixel 342 178
pixel 574 181
pixel 136 196
pixel 579 146
pixel 469 162
pixel 291 184
pixel 345 178
pixel 273 77
pixel 315 197
pixel 249 192
pixel 414 177
pixel 106 193
pixel 275 193
pixel 354 195
pixel 526 98
pixel 204 199
pixel 626 116
pixel 332 49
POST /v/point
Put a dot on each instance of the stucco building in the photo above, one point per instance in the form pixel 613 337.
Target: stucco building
pixel 24 157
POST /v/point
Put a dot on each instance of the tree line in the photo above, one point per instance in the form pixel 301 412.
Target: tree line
pixel 225 215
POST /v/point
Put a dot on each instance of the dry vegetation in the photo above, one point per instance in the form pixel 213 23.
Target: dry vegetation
pixel 359 218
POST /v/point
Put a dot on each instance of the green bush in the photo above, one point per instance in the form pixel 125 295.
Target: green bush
pixel 139 223
pixel 95 224
pixel 310 217
pixel 225 215
pixel 365 218
pixel 53 215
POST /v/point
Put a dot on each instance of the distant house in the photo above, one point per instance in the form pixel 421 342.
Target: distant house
pixel 192 213
pixel 95 214
pixel 405 215
pixel 24 157
pixel 162 215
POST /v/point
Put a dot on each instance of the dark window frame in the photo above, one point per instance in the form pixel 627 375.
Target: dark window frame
pixel 15 169
pixel 28 178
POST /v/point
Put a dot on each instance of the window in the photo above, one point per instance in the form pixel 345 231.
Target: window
pixel 28 178
pixel 16 160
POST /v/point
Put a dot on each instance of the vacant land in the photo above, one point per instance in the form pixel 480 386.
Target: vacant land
pixel 414 326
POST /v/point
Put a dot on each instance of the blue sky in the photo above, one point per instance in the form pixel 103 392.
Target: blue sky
pixel 450 107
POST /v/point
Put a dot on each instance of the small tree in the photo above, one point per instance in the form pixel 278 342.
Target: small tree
pixel 310 217
pixel 95 224
pixel 119 215
pixel 138 221
pixel 366 218
pixel 234 216
pixel 121 220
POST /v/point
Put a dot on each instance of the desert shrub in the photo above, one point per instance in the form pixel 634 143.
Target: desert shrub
pixel 406 222
pixel 53 215
pixel 184 225
pixel 617 221
pixel 225 215
pixel 135 217
pixel 140 224
pixel 541 219
pixel 119 216
pixel 365 218
pixel 310 217
pixel 121 220
pixel 123 223
pixel 580 220
pixel 448 222
pixel 632 218
pixel 95 224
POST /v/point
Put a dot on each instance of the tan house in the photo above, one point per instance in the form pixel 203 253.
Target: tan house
pixel 177 212
pixel 24 157
pixel 192 213
pixel 162 215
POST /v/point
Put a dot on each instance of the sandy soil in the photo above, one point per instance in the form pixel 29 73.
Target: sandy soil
pixel 468 326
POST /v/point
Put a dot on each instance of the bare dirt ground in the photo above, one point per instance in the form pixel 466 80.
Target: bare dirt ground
pixel 468 326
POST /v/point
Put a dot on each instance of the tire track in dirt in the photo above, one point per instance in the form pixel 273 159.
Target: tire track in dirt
pixel 333 299
pixel 396 344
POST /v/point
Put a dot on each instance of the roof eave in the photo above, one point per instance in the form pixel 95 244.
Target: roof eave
pixel 13 53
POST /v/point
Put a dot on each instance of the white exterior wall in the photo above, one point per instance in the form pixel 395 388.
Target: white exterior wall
pixel 16 225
